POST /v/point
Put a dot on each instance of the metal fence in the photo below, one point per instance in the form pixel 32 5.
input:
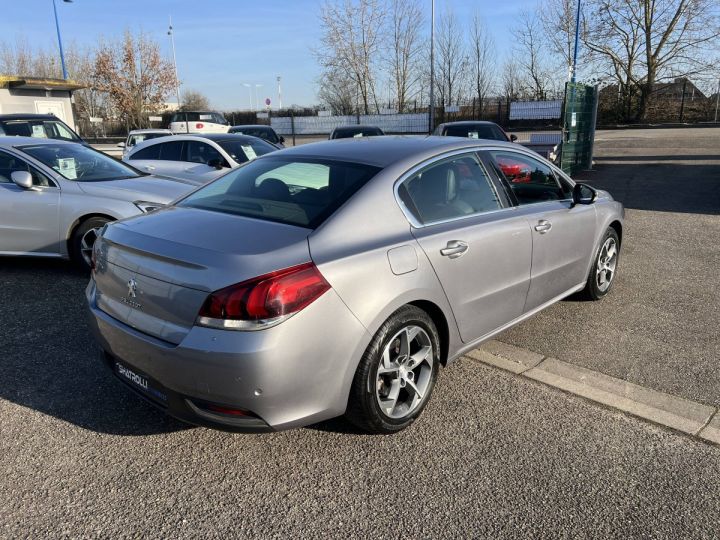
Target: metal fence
pixel 579 118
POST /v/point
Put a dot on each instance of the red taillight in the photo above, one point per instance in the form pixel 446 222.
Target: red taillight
pixel 199 126
pixel 267 297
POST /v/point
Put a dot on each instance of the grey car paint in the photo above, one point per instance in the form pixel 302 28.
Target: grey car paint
pixel 41 220
pixel 373 256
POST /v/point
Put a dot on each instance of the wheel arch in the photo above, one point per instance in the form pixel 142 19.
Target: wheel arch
pixel 617 226
pixel 441 324
pixel 79 221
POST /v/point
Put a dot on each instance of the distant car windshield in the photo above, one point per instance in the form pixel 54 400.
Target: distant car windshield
pixel 40 128
pixel 347 133
pixel 78 162
pixel 301 192
pixel 262 133
pixel 476 131
pixel 246 149
pixel 213 117
pixel 140 137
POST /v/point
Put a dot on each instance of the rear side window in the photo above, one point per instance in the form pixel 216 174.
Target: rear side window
pixel 530 179
pixel 452 188
pixel 151 152
pixel 301 192
pixel 171 151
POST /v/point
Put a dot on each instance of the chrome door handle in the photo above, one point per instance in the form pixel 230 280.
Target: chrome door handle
pixel 454 249
pixel 543 226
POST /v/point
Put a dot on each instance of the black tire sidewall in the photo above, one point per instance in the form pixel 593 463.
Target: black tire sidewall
pixel 80 230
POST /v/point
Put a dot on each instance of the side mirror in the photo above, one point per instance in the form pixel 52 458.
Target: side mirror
pixel 513 138
pixel 22 179
pixel 121 145
pixel 583 194
pixel 215 163
pixel 282 139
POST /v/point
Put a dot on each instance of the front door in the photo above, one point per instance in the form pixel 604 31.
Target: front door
pixel 479 247
pixel 562 233
pixel 28 218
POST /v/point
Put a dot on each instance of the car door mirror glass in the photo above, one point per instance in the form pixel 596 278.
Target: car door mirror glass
pixel 584 194
pixel 216 163
pixel 513 138
pixel 22 179
pixel 121 145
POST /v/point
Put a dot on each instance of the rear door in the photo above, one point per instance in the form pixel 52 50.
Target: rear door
pixel 562 233
pixel 28 218
pixel 166 158
pixel 478 245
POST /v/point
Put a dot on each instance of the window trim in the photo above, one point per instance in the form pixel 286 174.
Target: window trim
pixel 471 151
pixel 54 182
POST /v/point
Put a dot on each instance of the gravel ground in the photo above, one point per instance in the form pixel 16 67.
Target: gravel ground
pixel 659 326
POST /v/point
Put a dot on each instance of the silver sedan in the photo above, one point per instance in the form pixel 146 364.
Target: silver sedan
pixel 338 277
pixel 55 196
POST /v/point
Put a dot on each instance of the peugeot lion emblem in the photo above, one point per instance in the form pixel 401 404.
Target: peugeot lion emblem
pixel 132 288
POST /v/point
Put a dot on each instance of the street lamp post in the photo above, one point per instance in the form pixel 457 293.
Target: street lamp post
pixel 249 87
pixel 57 28
pixel 256 96
pixel 431 108
pixel 279 94
pixel 177 79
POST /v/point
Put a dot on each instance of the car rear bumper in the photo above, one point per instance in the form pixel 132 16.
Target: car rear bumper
pixel 290 375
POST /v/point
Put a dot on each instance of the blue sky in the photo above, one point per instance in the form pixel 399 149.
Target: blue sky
pixel 222 44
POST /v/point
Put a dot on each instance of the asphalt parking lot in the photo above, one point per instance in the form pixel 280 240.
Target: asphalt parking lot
pixel 493 455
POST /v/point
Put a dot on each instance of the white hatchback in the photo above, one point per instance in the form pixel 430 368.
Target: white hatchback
pixel 136 136
pixel 196 158
pixel 198 122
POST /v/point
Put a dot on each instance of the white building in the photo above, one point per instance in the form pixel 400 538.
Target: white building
pixel 38 96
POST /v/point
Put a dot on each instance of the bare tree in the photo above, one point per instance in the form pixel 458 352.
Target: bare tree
pixel 512 82
pixel 482 59
pixel 644 41
pixel 450 75
pixel 351 43
pixel 192 100
pixel 405 49
pixel 338 92
pixel 135 75
pixel 558 22
pixel 531 57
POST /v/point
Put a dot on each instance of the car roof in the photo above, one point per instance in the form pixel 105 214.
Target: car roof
pixel 354 127
pixel 470 123
pixel 217 137
pixel 151 130
pixel 21 141
pixel 28 116
pixel 385 150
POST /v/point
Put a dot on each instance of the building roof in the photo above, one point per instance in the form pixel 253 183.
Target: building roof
pixel 34 83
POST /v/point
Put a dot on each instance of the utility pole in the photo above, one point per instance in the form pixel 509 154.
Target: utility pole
pixel 249 87
pixel 279 93
pixel 431 108
pixel 256 96
pixel 57 28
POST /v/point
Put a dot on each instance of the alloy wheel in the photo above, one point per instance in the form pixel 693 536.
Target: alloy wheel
pixel 606 264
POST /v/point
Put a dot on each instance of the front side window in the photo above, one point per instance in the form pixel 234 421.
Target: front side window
pixel 297 192
pixel 77 162
pixel 9 164
pixel 200 152
pixel 530 179
pixel 453 188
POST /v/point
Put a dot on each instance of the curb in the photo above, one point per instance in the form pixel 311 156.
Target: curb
pixel 680 414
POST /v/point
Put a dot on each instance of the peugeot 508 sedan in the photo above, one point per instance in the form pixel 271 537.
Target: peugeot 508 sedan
pixel 337 277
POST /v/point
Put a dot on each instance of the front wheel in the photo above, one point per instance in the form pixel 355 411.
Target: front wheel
pixel 83 239
pixel 604 267
pixel 397 373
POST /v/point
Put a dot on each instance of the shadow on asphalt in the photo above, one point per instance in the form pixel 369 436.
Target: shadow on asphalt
pixel 49 361
pixel 685 188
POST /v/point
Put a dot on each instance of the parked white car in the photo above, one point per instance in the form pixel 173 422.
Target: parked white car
pixel 198 122
pixel 195 158
pixel 136 136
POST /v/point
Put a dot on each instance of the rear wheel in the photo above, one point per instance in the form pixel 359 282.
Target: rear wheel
pixel 83 239
pixel 604 268
pixel 397 373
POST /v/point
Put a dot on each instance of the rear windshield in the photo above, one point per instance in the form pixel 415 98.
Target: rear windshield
pixel 356 132
pixel 479 131
pixel 262 133
pixel 140 137
pixel 212 117
pixel 246 150
pixel 41 129
pixel 301 192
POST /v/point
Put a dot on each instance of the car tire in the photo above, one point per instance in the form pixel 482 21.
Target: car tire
pixel 83 238
pixel 604 267
pixel 401 364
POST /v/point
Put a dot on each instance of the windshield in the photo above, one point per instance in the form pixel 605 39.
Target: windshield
pixel 140 137
pixel 245 150
pixel 478 131
pixel 298 192
pixel 42 129
pixel 356 132
pixel 262 133
pixel 78 162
